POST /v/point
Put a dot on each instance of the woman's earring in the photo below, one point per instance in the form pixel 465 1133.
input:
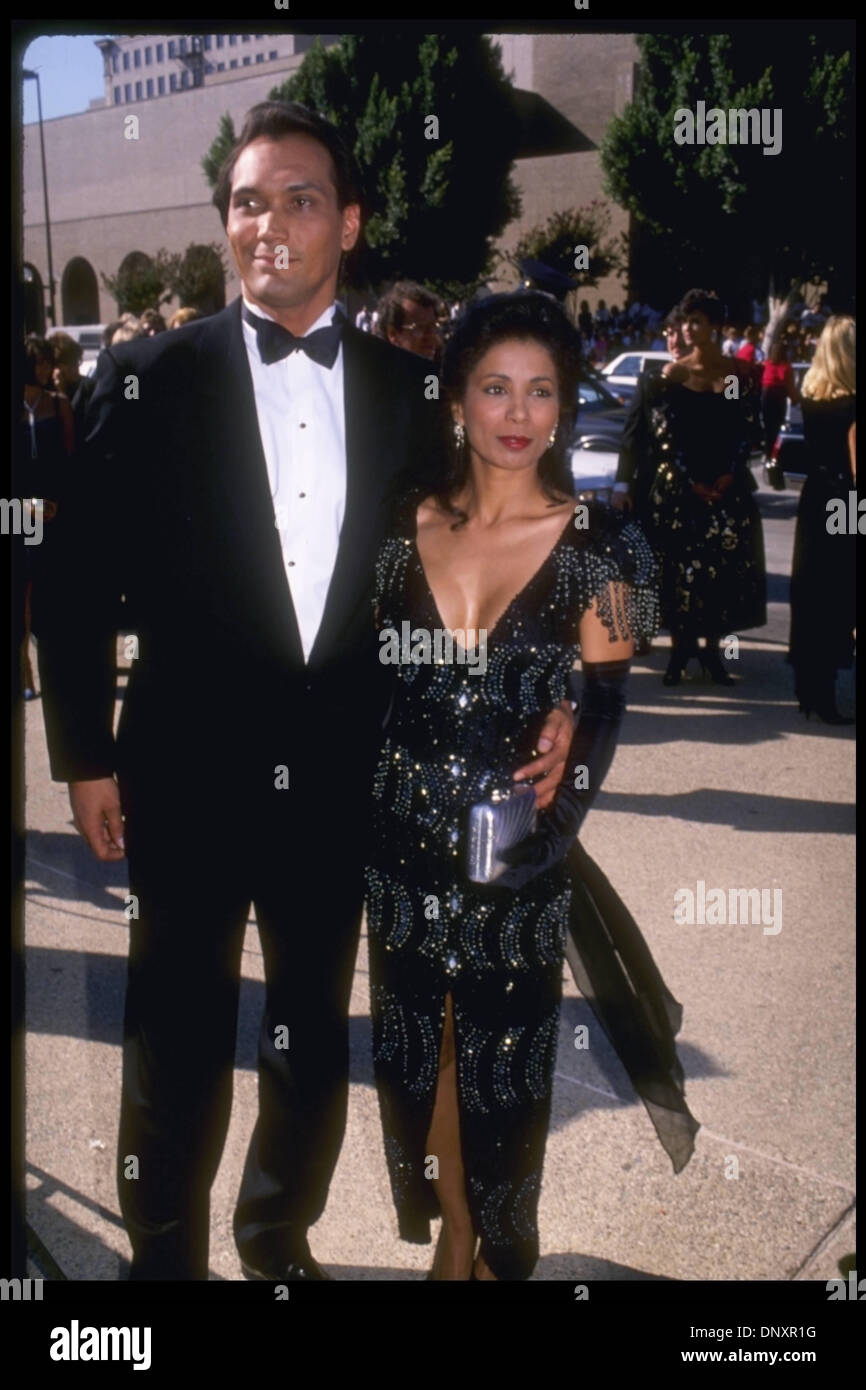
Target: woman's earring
pixel 459 434
pixel 552 440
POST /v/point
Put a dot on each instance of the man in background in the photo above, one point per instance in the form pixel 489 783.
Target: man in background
pixel 409 318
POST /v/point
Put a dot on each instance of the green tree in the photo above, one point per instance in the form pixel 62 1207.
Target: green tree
pixel 553 243
pixel 435 205
pixel 142 282
pixel 219 149
pixel 197 277
pixel 728 216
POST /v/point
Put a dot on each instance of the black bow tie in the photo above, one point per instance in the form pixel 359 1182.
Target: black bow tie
pixel 276 342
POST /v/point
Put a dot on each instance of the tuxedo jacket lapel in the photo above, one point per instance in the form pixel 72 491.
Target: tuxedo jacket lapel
pixel 368 448
pixel 236 477
pixel 235 473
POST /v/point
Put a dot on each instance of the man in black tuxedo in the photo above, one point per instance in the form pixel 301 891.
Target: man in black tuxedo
pixel 233 491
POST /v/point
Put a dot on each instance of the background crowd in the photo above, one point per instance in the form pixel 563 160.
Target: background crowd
pixel 706 555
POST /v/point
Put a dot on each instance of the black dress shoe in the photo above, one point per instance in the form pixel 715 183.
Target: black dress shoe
pixel 711 664
pixel 303 1267
pixel 829 714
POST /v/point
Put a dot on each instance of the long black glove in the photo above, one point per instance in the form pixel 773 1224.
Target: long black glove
pixel 601 709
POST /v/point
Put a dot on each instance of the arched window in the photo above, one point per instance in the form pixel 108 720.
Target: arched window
pixel 79 293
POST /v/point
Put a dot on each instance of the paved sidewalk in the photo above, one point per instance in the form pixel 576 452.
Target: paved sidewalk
pixel 728 786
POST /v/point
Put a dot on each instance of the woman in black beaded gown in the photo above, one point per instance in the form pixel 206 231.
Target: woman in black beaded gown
pixel 823 569
pixel 702 519
pixel 465 978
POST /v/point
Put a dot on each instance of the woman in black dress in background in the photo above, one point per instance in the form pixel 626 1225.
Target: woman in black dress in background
pixel 46 443
pixel 823 598
pixel 466 979
pixel 702 519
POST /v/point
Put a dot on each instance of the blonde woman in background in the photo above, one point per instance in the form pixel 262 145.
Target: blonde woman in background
pixel 182 316
pixel 823 601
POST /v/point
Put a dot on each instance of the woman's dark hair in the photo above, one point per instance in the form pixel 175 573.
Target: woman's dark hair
pixel 702 302
pixel 276 119
pixel 36 349
pixel 65 349
pixel 529 316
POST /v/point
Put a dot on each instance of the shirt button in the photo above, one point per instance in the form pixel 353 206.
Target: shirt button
pixel 302 494
pixel 291 562
pixel 303 426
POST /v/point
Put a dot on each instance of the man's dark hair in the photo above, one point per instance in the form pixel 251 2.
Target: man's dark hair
pixel 672 320
pixel 702 302
pixel 273 120
pixel 392 314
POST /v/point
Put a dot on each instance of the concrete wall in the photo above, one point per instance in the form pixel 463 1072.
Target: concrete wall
pixel 588 78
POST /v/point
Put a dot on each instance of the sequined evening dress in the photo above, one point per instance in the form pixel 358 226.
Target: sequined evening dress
pixel 713 574
pixel 454 738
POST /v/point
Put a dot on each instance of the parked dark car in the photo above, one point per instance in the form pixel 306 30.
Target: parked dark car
pixel 601 414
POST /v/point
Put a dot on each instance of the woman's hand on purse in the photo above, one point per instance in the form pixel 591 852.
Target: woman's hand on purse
pixel 554 742
pixel 589 757
pixel 717 491
pixel 544 848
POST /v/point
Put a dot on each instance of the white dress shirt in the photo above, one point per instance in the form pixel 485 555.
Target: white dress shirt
pixel 302 423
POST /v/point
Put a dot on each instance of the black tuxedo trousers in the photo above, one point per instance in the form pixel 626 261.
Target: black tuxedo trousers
pixel 198 857
pixel 244 770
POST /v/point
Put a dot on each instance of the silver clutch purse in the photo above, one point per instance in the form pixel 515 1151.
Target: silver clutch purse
pixel 496 825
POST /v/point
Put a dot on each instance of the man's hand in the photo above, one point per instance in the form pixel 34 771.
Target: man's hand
pixel 96 815
pixel 554 741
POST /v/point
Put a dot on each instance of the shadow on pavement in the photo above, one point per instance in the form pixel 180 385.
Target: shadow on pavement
pixel 80 994
pixel 80 1253
pixel 743 810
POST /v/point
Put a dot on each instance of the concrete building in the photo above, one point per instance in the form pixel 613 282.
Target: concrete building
pixel 144 68
pixel 568 86
pixel 120 188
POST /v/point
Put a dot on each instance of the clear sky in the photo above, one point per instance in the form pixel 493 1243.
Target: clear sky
pixel 70 74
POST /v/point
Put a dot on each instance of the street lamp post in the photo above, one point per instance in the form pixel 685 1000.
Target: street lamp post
pixel 52 310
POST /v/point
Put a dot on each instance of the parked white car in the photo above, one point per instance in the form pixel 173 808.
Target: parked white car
pixel 625 369
pixel 593 467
